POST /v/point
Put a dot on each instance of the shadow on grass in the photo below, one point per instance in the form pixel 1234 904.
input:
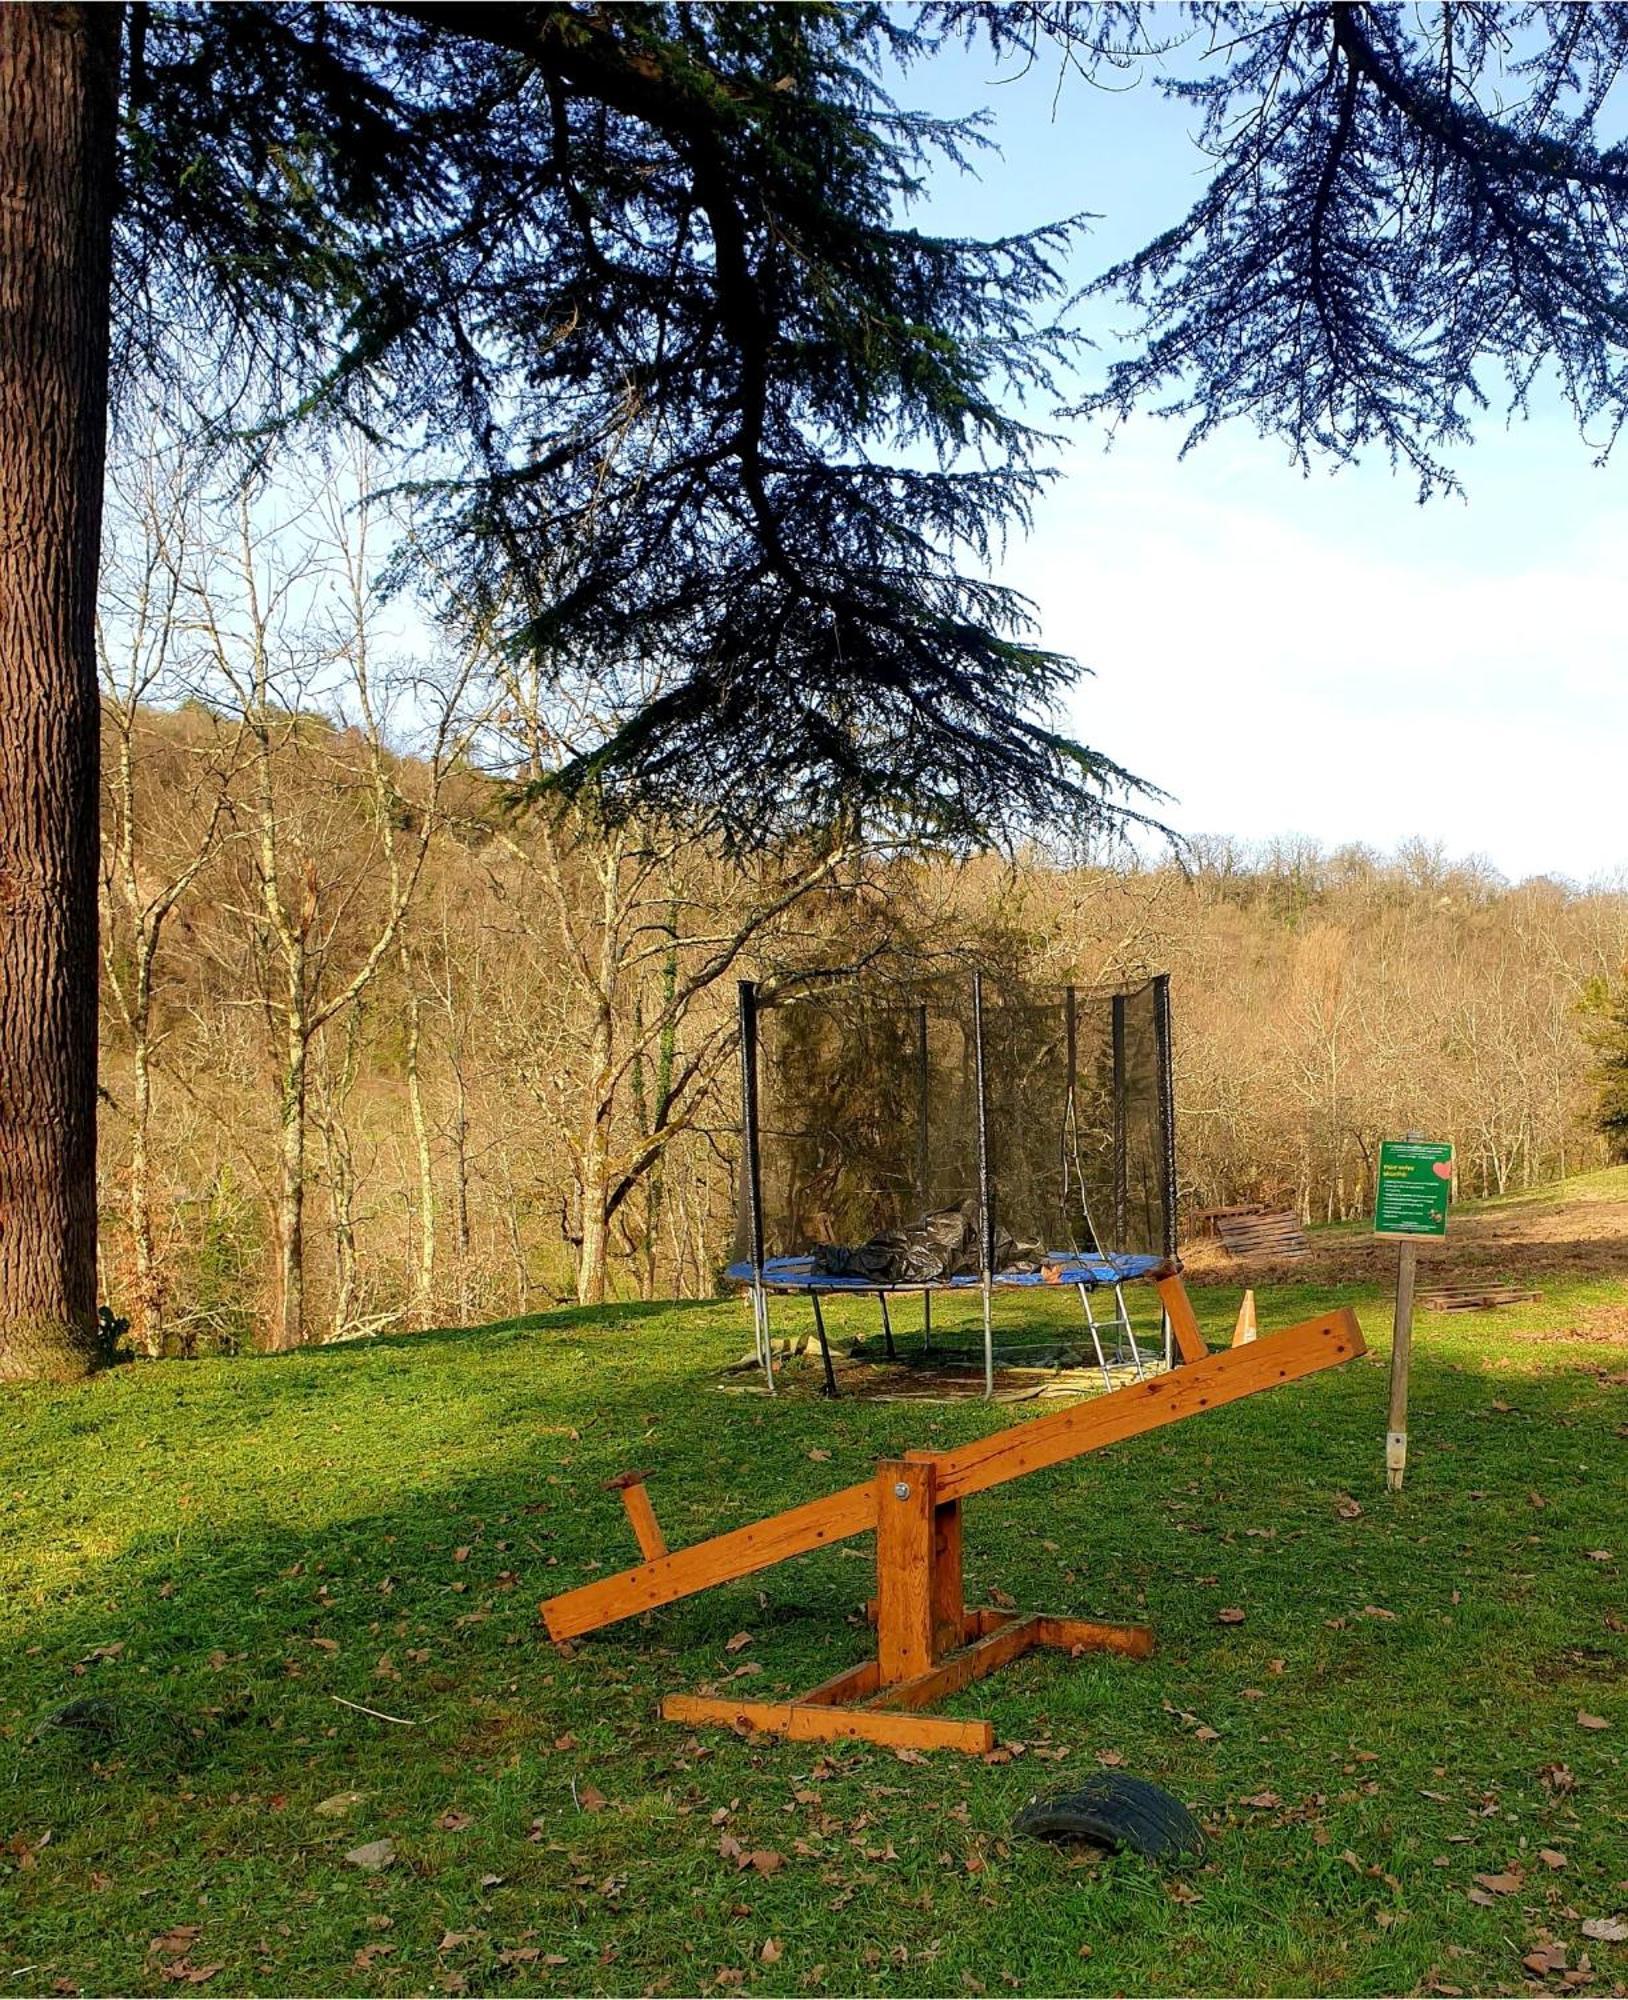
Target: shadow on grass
pixel 242 1554
pixel 245 1615
pixel 622 1313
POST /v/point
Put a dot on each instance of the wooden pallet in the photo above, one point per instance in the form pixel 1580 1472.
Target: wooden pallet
pixel 1212 1216
pixel 1475 1298
pixel 1266 1233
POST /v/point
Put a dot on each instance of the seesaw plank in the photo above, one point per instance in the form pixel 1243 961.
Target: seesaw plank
pixel 758 1546
pixel 1144 1406
pixel 973 1468
pixel 1178 1308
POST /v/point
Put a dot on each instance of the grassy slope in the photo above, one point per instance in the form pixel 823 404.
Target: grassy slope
pixel 377 1522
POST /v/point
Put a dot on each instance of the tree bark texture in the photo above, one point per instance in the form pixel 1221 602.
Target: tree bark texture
pixel 58 71
pixel 289 1329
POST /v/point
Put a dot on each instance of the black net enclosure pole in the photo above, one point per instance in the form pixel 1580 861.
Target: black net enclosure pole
pixel 1167 1107
pixel 1167 1130
pixel 986 1194
pixel 751 1176
pixel 922 1095
pixel 1117 1018
pixel 1068 1135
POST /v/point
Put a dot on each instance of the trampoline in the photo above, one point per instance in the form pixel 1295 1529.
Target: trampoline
pixel 871 1110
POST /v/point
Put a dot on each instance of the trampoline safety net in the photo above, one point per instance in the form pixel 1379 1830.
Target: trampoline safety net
pixel 862 1116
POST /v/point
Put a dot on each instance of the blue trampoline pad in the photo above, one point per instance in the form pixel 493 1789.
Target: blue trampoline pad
pixel 797 1274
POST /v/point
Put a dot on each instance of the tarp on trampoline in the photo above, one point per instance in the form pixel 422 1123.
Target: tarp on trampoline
pixel 1060 1267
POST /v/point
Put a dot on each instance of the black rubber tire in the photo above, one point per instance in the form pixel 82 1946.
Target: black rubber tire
pixel 1116 1811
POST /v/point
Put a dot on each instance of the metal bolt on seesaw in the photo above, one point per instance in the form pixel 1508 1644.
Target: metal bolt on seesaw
pixel 928 1643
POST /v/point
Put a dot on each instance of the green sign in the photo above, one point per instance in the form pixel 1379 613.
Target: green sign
pixel 1415 1179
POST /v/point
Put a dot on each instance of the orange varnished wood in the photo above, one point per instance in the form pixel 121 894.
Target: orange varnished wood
pixel 905 1529
pixel 807 1722
pixel 949 1605
pixel 973 1468
pixel 646 1528
pixel 1183 1322
pixel 961 1669
pixel 1145 1406
pixel 740 1553
pixel 998 1637
pixel 1093 1636
pixel 854 1685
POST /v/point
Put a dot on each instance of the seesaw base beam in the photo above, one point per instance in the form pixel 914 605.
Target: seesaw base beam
pixel 856 1705
pixel 808 1722
pixel 928 1644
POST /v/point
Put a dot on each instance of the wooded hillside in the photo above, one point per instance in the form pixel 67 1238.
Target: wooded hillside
pixel 398 1054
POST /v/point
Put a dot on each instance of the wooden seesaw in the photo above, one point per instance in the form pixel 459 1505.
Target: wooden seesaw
pixel 928 1643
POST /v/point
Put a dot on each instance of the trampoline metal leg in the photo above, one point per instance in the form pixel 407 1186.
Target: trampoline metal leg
pixel 1130 1332
pixel 926 1322
pixel 887 1327
pixel 989 1346
pixel 825 1345
pixel 1096 1341
pixel 760 1312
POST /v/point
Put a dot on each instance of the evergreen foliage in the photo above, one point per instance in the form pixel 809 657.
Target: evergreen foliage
pixel 698 421
pixel 701 423
pixel 1405 205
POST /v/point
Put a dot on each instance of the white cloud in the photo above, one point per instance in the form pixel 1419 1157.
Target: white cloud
pixel 1325 657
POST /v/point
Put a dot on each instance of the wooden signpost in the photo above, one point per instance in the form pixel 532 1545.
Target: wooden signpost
pixel 929 1644
pixel 1410 1201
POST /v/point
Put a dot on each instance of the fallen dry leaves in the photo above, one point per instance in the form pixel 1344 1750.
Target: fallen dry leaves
pixel 764 1860
pixel 173 1948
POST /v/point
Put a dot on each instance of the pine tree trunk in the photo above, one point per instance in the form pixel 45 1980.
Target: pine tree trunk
pixel 58 67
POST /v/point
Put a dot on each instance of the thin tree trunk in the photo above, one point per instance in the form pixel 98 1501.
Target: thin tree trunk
pixel 592 1254
pixel 460 1184
pixel 289 1330
pixel 593 1171
pixel 342 1194
pixel 424 1276
pixel 58 70
pixel 339 1161
pixel 149 1299
pixel 517 1250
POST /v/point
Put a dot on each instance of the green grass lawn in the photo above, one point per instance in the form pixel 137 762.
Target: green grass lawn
pixel 202 1559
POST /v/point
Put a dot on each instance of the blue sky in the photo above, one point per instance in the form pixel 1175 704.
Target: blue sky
pixel 1314 655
